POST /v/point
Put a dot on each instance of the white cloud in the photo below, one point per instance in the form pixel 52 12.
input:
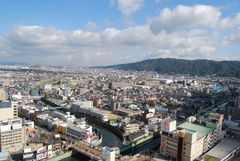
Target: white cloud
pixel 229 21
pixel 128 7
pixel 184 17
pixel 185 38
pixel 90 26
pixel 233 37
pixel 39 44
pixel 161 53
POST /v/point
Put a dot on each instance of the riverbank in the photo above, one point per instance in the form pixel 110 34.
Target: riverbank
pixel 62 156
pixel 70 156
pixel 111 128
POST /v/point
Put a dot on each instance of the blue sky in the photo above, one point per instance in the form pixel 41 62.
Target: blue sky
pixel 103 32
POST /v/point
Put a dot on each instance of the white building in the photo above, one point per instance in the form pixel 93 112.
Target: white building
pixel 131 128
pixel 80 131
pixel 189 140
pixel 65 117
pixel 12 135
pixel 86 108
pixel 108 153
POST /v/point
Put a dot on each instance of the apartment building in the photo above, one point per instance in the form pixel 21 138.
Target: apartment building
pixel 86 108
pixel 131 128
pixel 11 135
pixel 188 140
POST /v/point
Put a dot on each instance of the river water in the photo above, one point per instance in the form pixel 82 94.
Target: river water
pixel 109 139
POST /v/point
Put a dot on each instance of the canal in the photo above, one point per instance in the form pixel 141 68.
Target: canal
pixel 109 139
pixel 77 157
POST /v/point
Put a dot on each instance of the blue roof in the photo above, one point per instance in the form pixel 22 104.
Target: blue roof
pixel 5 104
pixel 4 155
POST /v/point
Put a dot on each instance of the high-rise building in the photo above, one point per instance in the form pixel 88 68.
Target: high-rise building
pixel 237 102
pixel 11 135
pixel 188 140
pixel 234 112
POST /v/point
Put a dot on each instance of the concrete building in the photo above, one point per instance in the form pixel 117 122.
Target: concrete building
pixel 108 153
pixel 65 117
pixel 237 102
pixel 131 128
pixel 190 140
pixel 81 131
pixel 224 151
pixel 8 110
pixel 96 101
pixel 86 108
pixel 2 95
pixel 127 112
pixel 153 123
pixel 234 112
pixel 12 135
pixel 47 87
pixel 5 156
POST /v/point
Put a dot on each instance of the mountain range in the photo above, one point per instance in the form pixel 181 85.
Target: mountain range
pixel 201 67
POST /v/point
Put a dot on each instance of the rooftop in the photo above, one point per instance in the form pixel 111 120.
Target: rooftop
pixel 4 155
pixel 5 104
pixel 221 150
pixel 201 130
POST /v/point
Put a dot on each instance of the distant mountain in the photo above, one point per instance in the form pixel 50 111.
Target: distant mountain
pixel 181 66
pixel 11 63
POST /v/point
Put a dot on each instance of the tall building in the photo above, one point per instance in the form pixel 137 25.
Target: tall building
pixel 8 110
pixel 14 106
pixel 12 135
pixel 237 102
pixel 188 140
pixel 2 95
pixel 234 112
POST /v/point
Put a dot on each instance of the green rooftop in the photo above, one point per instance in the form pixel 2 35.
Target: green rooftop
pixel 201 130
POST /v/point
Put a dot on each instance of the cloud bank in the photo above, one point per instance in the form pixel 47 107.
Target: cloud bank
pixel 190 32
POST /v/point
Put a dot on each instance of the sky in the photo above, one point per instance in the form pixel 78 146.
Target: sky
pixel 106 32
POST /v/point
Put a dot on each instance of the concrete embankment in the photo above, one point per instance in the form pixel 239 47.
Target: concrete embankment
pixel 62 156
pixel 49 102
pixel 111 128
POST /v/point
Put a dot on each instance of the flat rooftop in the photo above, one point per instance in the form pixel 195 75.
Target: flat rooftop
pixel 5 104
pixel 201 130
pixel 111 116
pixel 4 155
pixel 221 150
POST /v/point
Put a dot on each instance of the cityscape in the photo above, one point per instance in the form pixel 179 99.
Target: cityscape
pixel 137 86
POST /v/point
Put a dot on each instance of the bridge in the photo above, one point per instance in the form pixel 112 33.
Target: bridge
pixel 88 150
pixel 95 153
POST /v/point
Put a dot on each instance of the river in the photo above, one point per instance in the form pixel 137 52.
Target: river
pixel 109 139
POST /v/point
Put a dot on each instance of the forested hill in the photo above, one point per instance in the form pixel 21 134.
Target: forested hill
pixel 181 66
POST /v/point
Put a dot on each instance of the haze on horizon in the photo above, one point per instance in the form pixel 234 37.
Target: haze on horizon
pixel 90 33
